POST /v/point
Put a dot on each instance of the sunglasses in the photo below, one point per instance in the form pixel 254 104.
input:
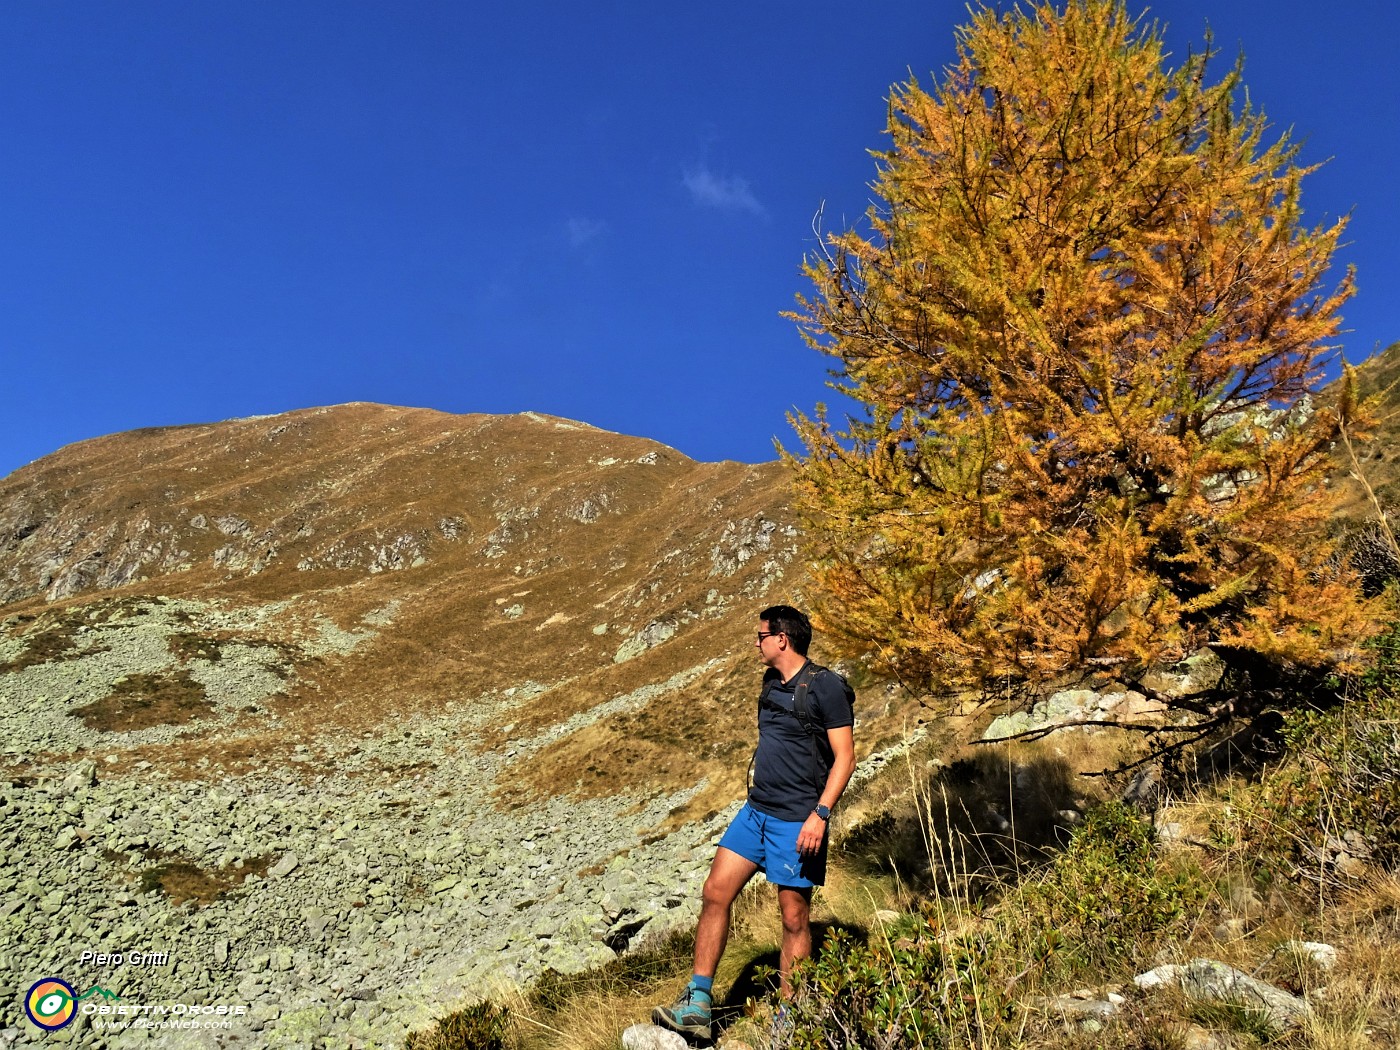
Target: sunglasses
pixel 766 634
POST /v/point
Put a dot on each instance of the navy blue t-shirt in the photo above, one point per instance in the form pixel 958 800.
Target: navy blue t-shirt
pixel 790 770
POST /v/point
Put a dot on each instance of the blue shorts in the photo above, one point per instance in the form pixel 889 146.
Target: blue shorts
pixel 772 845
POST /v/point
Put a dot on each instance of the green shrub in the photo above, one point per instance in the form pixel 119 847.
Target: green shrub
pixel 1338 796
pixel 481 1026
pixel 923 990
pixel 1108 900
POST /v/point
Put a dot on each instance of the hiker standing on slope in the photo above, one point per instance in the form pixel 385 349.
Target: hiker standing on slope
pixel 804 759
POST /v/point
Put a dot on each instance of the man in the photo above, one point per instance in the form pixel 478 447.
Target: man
pixel 804 760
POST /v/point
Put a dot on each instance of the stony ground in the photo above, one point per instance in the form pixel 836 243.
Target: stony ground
pixel 342 895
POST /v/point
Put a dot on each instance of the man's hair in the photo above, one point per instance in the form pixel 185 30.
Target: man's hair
pixel 787 620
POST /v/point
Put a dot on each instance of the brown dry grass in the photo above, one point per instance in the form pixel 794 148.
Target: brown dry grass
pixel 1359 1001
pixel 1378 376
pixel 45 645
pixel 182 880
pixel 141 701
pixel 186 647
pixel 356 478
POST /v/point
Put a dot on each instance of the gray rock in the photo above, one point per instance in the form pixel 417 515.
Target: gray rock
pixel 650 636
pixel 1198 673
pixel 1348 865
pixel 1197 1038
pixel 1244 902
pixel 1323 956
pixel 1231 930
pixel 1073 1008
pixel 1170 833
pixel 1212 981
pixel 1070 707
pixel 650 1037
pixel 283 867
pixel 84 775
pixel 1014 724
pixel 1145 789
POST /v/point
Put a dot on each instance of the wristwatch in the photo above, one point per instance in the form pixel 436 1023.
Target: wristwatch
pixel 823 811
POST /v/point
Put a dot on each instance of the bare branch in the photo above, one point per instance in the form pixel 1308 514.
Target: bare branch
pixel 1133 727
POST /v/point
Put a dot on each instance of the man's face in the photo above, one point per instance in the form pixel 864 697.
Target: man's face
pixel 770 643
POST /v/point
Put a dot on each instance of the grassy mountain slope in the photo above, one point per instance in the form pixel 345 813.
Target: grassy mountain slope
pixel 450 559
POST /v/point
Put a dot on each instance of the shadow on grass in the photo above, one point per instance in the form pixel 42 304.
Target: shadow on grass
pixel 973 822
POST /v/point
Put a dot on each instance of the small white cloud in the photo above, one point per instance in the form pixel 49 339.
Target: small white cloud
pixel 582 230
pixel 716 191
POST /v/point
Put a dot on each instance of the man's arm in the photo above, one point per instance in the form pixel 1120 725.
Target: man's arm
pixel 843 764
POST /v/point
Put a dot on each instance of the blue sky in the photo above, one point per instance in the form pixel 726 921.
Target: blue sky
pixel 215 209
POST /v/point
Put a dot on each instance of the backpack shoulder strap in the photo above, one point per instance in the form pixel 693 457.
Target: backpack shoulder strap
pixel 801 702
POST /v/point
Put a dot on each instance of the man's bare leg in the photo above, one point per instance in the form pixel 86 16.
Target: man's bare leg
pixel 796 906
pixel 729 873
pixel 690 1014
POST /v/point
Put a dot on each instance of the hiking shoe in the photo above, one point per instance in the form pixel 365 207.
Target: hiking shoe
pixel 689 1015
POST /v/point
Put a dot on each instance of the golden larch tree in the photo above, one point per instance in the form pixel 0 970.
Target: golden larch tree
pixel 1086 319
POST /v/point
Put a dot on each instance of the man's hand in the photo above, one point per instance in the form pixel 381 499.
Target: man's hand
pixel 809 839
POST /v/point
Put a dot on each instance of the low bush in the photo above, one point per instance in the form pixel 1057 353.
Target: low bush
pixel 922 990
pixel 1105 902
pixel 481 1026
pixel 1101 906
pixel 1335 805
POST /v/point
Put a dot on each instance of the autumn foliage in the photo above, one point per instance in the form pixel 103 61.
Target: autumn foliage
pixel 1086 319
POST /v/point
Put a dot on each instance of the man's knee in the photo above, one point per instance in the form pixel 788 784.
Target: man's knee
pixel 796 911
pixel 718 893
pixel 795 925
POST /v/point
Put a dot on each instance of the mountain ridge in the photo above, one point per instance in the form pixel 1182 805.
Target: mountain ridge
pixel 446 699
pixel 476 527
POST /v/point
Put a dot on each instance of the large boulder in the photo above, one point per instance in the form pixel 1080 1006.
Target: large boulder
pixel 1070 708
pixel 1211 981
